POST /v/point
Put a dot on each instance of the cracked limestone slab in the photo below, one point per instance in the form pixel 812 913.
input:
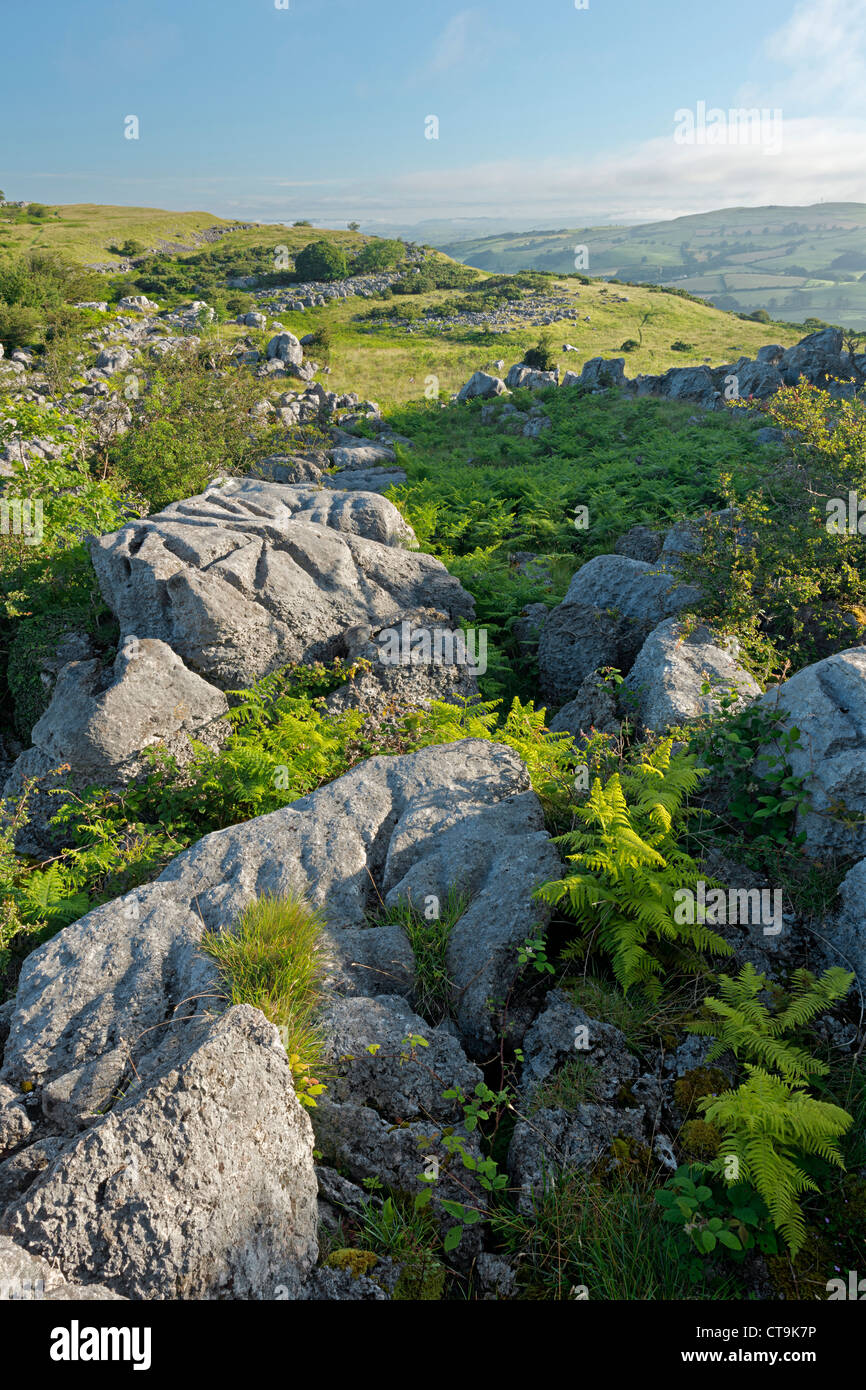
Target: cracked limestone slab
pixel 255 575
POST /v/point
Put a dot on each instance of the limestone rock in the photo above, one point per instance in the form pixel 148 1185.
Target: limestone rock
pixel 671 668
pixel 482 385
pixel 827 703
pixel 612 604
pixel 25 1277
pixel 253 576
pixel 199 1182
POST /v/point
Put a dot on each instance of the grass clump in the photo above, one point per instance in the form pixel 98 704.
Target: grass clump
pixel 407 1235
pixel 572 1085
pixel 586 1238
pixel 273 959
pixel 428 931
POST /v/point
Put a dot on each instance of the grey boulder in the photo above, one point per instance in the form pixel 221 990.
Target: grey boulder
pixel 483 386
pixel 197 1184
pixel 845 933
pixel 253 576
pixel 100 722
pixel 399 1081
pixel 672 666
pixel 285 348
pixel 25 1277
pixel 612 604
pixel 827 703
pixel 602 373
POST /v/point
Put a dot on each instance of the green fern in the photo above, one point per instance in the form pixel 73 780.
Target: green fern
pixel 46 896
pixel 744 1026
pixel 766 1124
pixel 770 1120
pixel 630 867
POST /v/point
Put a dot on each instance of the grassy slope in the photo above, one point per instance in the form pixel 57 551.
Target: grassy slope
pixel 83 231
pixel 391 364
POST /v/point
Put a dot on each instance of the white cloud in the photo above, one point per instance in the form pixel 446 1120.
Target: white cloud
pixel 824 45
pixel 455 44
pixel 653 180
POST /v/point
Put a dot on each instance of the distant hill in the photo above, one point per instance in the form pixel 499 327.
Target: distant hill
pixel 795 262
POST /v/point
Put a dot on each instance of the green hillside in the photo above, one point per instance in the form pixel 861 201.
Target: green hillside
pixel 388 347
pixel 795 262
pixel 85 232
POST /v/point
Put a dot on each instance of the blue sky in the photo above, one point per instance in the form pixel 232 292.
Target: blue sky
pixel 548 114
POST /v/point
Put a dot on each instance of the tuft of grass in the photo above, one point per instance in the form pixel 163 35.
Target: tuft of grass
pixel 409 1236
pixel 572 1085
pixel 643 1022
pixel 273 959
pixel 606 1239
pixel 428 937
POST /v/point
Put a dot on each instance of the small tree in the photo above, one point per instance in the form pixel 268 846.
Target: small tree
pixel 541 357
pixel 321 260
pixel 354 226
pixel 379 254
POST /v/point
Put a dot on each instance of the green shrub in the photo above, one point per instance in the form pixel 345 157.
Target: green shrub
pixel 321 342
pixel 791 587
pixel 19 326
pixel 273 959
pixel 714 1217
pixel 541 357
pixel 321 260
pixel 129 247
pixel 237 303
pixel 44 280
pixel 378 255
pixel 192 424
